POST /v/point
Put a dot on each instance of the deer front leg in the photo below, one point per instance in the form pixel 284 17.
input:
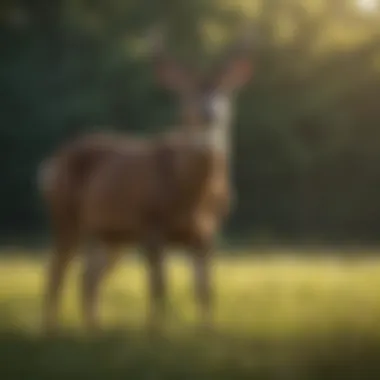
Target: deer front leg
pixel 98 262
pixel 203 287
pixel 202 248
pixel 154 254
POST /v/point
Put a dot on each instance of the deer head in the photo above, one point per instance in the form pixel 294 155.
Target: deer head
pixel 206 100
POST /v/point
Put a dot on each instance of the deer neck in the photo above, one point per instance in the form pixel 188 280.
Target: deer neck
pixel 214 137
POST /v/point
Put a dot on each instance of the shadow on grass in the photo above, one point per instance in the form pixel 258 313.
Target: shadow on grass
pixel 187 355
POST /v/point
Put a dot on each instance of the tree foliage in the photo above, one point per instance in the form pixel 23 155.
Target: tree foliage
pixel 306 133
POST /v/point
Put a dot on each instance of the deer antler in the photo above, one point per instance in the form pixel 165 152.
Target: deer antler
pixel 236 67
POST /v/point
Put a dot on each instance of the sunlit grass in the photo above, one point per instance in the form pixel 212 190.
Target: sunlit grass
pixel 275 310
pixel 281 295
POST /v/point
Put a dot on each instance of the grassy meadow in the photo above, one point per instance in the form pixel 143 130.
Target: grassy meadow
pixel 276 317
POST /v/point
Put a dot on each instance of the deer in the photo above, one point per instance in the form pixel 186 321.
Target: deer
pixel 108 190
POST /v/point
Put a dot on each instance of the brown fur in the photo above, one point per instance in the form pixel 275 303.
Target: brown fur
pixel 110 189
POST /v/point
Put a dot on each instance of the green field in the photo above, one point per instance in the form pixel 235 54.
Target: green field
pixel 276 318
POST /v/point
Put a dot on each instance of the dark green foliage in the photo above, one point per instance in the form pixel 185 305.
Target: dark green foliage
pixel 306 131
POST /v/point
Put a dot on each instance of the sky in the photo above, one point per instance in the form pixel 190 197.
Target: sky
pixel 367 5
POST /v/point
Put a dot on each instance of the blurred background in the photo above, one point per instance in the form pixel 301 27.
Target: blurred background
pixel 306 150
pixel 306 132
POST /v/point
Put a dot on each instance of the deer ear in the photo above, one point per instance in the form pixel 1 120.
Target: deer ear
pixel 169 73
pixel 235 75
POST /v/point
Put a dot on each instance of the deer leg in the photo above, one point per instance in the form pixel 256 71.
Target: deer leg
pixel 98 262
pixel 203 288
pixel 57 269
pixel 157 284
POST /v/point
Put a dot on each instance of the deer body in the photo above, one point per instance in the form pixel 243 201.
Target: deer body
pixel 169 190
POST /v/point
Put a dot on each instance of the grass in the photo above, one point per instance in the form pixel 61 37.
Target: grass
pixel 276 318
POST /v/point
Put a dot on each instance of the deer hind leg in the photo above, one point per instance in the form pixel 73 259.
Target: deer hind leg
pixel 57 268
pixel 154 254
pixel 98 262
pixel 202 279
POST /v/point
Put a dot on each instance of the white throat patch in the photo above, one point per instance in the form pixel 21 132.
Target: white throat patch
pixel 213 138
